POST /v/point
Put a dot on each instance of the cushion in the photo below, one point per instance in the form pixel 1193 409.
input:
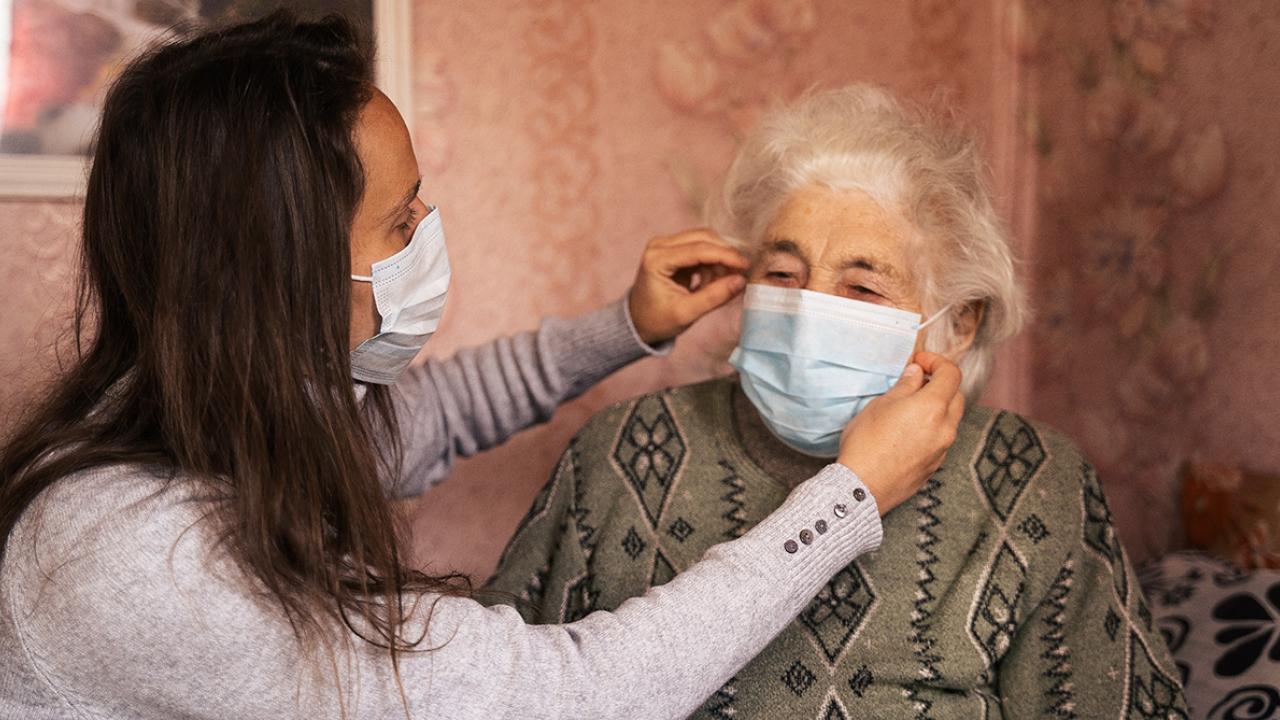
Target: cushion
pixel 1222 624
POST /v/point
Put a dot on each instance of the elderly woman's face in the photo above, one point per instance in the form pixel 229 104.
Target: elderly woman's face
pixel 839 242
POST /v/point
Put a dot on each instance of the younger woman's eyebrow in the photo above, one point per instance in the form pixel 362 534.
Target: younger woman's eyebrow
pixel 405 202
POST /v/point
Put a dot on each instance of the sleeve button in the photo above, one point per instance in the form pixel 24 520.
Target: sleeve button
pixel 820 526
pixel 841 510
pixel 790 546
pixel 806 536
pixel 859 494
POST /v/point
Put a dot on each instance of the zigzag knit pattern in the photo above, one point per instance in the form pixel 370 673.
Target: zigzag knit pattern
pixel 1056 652
pixel 927 502
pixel 720 706
pixel 736 514
pixel 579 511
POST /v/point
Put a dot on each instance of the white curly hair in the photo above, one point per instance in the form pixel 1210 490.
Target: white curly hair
pixel 860 137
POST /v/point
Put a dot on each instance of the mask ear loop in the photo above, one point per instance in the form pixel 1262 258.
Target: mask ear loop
pixel 421 224
pixel 934 317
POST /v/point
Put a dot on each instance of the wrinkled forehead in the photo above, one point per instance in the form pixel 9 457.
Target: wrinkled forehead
pixel 838 228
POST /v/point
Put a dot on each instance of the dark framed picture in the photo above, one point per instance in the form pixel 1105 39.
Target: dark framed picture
pixel 58 57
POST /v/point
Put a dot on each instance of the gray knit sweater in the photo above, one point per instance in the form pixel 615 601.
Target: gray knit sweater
pixel 1002 590
pixel 115 602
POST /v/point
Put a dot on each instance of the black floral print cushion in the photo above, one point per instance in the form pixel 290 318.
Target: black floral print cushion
pixel 1223 626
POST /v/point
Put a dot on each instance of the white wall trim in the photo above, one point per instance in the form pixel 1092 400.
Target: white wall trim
pixel 43 176
pixel 393 29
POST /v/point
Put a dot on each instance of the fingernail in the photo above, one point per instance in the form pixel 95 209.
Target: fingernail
pixel 912 369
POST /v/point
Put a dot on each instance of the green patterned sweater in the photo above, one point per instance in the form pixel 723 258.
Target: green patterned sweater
pixel 1001 589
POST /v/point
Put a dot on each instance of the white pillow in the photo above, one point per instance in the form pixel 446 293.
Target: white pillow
pixel 1222 625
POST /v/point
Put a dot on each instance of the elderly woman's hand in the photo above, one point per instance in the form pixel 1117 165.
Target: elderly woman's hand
pixel 681 278
pixel 900 438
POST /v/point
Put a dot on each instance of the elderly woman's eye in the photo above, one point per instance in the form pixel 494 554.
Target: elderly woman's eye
pixel 863 290
pixel 782 278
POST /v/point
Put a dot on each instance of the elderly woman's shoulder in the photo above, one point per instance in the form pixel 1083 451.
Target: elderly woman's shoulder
pixel 1022 445
pixel 1032 479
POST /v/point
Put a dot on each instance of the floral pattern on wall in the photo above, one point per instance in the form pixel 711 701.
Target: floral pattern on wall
pixel 433 98
pixel 37 276
pixel 939 30
pixel 561 44
pixel 740 63
pixel 1135 251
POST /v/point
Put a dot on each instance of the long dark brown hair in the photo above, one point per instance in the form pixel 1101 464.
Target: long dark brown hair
pixel 213 318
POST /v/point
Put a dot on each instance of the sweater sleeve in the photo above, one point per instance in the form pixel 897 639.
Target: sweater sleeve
pixel 1088 649
pixel 481 396
pixel 130 611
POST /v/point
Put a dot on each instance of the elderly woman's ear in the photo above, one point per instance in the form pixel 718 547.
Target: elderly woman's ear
pixel 965 329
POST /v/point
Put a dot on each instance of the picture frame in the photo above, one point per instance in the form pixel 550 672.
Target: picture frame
pixel 62 176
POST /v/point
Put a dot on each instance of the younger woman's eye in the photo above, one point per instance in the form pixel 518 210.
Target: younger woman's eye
pixel 408 223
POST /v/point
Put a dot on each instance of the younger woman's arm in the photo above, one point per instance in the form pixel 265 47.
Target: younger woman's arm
pixel 125 605
pixel 483 395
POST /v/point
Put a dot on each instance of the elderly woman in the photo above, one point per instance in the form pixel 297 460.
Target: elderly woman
pixel 1006 592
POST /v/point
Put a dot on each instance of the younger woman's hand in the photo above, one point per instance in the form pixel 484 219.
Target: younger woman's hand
pixel 900 438
pixel 681 278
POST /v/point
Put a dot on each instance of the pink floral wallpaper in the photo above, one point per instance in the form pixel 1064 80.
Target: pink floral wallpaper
pixel 1152 125
pixel 37 263
pixel 1130 148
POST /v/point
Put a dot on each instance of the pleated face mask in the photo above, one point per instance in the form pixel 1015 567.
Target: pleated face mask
pixel 409 289
pixel 810 362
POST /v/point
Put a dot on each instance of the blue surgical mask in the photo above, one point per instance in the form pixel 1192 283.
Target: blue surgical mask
pixel 409 289
pixel 810 362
